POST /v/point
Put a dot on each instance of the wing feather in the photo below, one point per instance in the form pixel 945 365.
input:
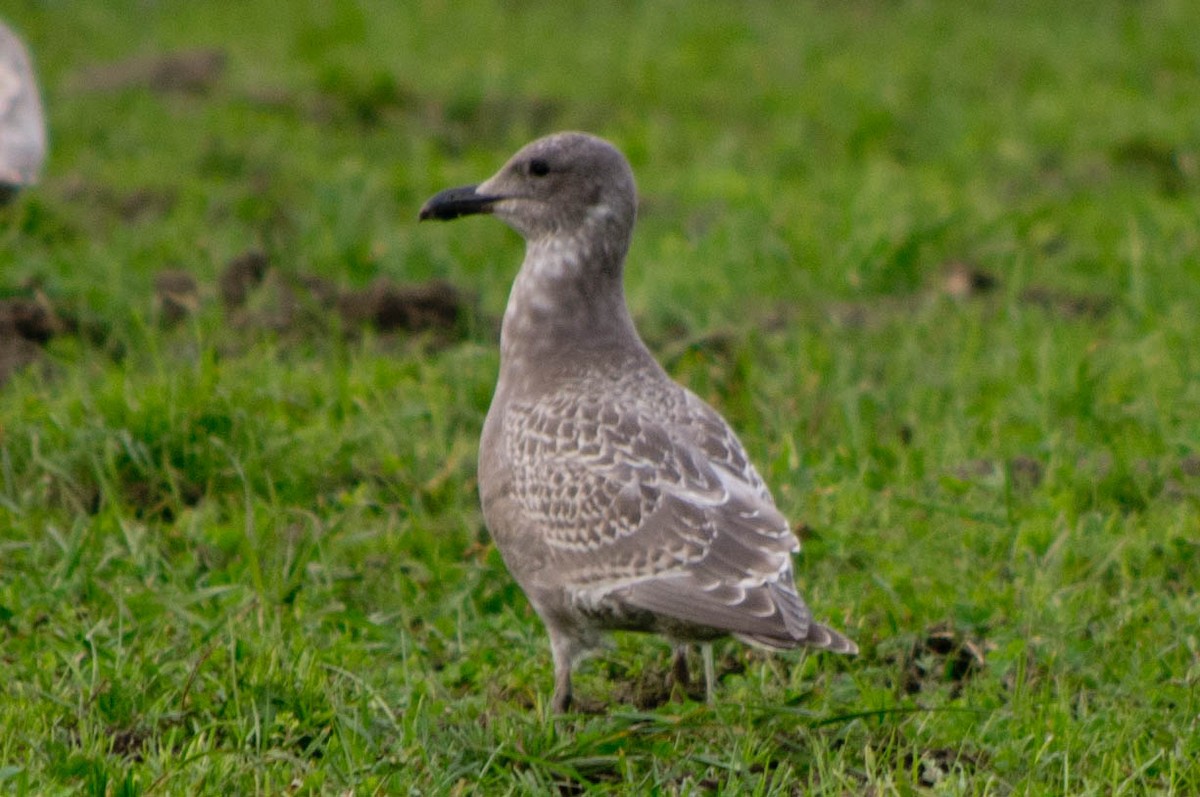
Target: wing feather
pixel 651 501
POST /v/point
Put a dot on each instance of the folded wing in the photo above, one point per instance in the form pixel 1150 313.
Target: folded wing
pixel 654 505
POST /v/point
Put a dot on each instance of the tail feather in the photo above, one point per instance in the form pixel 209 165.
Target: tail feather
pixel 823 637
pixel 819 637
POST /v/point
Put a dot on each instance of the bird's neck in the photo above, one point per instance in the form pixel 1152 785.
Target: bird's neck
pixel 567 290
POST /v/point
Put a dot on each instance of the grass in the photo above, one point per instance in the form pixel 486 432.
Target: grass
pixel 242 552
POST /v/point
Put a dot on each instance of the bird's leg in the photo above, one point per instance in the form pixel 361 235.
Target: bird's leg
pixel 561 703
pixel 563 649
pixel 680 678
pixel 709 672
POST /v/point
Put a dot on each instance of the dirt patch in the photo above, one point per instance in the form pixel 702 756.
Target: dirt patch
pixel 933 765
pixel 1067 304
pixel 129 743
pixel 1025 474
pixel 26 325
pixel 254 296
pixel 31 319
pixel 388 306
pixel 943 655
pixel 183 72
pixel 963 280
pixel 976 469
pixel 176 296
pixel 287 304
pixel 140 204
pixel 650 689
pixel 158 500
pixel 258 295
pixel 241 275
pixel 656 685
pixel 144 203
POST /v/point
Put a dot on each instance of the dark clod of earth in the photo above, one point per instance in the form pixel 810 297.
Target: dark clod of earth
pixel 31 319
pixel 388 306
pixel 243 274
pixel 963 280
pixel 26 325
pixel 176 294
pixel 943 655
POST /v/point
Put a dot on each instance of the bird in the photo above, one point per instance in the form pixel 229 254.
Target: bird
pixel 22 124
pixel 618 499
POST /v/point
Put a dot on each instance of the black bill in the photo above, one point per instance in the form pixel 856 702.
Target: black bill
pixel 455 202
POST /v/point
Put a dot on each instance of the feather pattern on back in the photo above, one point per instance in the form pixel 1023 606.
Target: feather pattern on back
pixel 647 501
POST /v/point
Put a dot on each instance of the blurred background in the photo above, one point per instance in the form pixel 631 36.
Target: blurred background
pixel 846 151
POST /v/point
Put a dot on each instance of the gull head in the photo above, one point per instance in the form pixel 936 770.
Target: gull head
pixel 566 184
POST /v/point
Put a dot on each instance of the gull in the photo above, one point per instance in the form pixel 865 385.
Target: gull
pixel 22 127
pixel 618 499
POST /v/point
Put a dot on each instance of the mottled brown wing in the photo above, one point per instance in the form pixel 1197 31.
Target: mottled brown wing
pixel 663 513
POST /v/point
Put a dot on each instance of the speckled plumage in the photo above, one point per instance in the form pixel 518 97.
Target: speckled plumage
pixel 618 499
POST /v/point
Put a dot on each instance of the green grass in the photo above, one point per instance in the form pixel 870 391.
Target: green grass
pixel 243 557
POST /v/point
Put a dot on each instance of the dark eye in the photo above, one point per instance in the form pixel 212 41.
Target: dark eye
pixel 539 167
